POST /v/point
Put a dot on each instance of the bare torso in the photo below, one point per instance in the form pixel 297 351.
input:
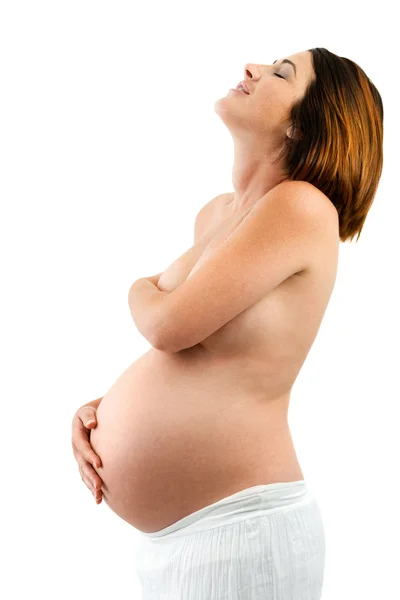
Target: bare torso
pixel 178 431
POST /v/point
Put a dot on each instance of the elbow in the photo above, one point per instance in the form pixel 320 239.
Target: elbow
pixel 173 337
pixel 161 344
pixel 166 341
pixel 155 339
pixel 158 340
pixel 158 344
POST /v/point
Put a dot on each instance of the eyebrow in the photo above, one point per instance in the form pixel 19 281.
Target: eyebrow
pixel 286 60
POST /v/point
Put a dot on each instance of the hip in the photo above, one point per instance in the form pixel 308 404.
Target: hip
pixel 265 541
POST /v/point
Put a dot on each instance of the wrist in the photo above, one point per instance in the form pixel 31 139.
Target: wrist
pixel 94 403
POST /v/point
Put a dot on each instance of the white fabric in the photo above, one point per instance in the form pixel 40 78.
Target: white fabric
pixel 264 542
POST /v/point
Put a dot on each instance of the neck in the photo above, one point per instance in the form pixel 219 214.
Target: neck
pixel 253 174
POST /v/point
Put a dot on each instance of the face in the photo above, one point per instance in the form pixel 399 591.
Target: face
pixel 273 88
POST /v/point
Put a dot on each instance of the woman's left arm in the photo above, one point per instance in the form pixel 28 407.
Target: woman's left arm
pixel 144 300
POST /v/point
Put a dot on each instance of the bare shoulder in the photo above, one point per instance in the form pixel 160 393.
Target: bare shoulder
pixel 314 207
pixel 208 214
pixel 310 199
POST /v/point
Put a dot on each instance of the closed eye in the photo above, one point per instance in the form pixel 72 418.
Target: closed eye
pixel 277 74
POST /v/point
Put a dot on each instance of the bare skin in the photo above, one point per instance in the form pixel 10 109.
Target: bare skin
pixel 178 431
pixel 260 122
pixel 83 421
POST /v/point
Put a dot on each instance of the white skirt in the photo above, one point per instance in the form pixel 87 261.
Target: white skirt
pixel 263 542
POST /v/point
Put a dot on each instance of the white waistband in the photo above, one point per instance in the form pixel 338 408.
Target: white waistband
pixel 251 502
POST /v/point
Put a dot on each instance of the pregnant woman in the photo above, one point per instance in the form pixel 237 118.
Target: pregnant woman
pixel 191 444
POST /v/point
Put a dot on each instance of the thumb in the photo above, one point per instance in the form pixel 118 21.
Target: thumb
pixel 89 417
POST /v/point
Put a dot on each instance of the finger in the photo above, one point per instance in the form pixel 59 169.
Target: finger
pixel 95 488
pixel 97 494
pixel 87 414
pixel 80 441
pixel 96 481
pixel 88 417
pixel 88 472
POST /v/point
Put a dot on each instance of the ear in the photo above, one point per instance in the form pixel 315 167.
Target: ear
pixel 294 133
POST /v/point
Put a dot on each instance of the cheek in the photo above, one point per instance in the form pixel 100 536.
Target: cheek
pixel 273 95
pixel 274 105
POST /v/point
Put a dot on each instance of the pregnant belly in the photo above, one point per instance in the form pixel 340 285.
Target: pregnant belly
pixel 174 436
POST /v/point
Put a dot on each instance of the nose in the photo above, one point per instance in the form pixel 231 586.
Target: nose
pixel 254 71
pixel 249 70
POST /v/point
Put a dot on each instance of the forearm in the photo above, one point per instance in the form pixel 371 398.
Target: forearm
pixel 144 303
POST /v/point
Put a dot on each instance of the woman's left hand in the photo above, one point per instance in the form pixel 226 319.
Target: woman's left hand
pixel 154 279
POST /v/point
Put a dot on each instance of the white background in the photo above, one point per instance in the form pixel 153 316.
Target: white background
pixel 109 147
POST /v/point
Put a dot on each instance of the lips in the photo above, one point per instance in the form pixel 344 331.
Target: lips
pixel 243 86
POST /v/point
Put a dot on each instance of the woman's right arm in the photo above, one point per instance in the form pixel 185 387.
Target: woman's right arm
pixel 176 273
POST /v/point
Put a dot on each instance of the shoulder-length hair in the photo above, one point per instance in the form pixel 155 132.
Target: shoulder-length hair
pixel 340 146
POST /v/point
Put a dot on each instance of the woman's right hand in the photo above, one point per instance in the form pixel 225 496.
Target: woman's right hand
pixel 84 420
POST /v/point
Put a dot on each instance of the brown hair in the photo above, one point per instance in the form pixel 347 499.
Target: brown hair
pixel 340 151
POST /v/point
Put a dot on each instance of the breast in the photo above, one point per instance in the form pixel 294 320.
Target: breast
pixel 275 335
pixel 203 419
pixel 216 232
pixel 223 232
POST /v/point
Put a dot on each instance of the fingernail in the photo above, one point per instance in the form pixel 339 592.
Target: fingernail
pixel 90 422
